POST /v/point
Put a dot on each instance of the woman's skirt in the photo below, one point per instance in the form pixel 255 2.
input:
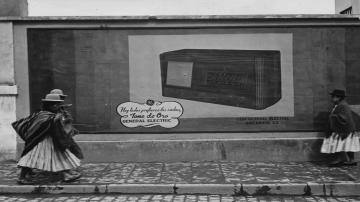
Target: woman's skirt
pixel 44 156
pixel 334 143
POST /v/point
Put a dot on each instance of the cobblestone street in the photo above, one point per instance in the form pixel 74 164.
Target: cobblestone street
pixel 182 178
pixel 199 173
pixel 168 198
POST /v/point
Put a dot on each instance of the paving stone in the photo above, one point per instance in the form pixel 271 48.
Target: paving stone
pixel 121 198
pixel 267 173
pixel 214 198
pixel 146 173
pixel 202 198
pixel 190 198
pixel 227 198
pixel 116 173
pixel 179 198
pixel 208 173
pixel 8 172
pixel 177 173
pixel 236 173
pixel 91 171
pixel 251 173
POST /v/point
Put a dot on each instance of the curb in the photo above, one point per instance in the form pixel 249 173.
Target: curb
pixel 308 189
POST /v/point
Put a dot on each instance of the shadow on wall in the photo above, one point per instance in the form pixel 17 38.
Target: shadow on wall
pixel 321 121
pixel 315 155
pixel 356 117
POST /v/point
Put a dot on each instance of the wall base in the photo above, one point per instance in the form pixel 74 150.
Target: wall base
pixel 261 147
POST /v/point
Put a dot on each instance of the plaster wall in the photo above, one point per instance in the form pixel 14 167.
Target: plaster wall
pixel 8 91
pixel 356 6
pixel 341 5
pixel 13 8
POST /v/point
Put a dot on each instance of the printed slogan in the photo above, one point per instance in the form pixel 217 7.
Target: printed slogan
pixel 150 114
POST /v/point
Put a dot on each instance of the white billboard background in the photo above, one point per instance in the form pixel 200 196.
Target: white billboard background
pixel 145 75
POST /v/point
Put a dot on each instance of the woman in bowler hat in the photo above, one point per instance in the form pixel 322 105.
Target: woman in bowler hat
pixel 47 144
pixel 343 139
pixel 68 120
pixel 69 128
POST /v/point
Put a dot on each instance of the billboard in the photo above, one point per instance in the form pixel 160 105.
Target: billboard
pixel 195 80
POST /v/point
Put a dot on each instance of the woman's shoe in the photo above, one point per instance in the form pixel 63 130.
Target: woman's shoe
pixel 336 164
pixel 350 163
pixel 24 181
pixel 68 177
pixel 74 172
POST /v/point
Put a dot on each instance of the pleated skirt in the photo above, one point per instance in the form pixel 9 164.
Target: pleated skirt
pixel 44 156
pixel 335 144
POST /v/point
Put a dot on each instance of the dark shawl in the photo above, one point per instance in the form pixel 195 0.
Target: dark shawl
pixel 63 139
pixel 34 128
pixel 341 120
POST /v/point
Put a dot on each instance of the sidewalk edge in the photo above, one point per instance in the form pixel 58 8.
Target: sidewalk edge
pixel 304 189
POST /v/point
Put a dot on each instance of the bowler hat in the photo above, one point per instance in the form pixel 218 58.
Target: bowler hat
pixel 52 98
pixel 338 93
pixel 57 91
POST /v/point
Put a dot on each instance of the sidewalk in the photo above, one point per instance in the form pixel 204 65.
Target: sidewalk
pixel 231 178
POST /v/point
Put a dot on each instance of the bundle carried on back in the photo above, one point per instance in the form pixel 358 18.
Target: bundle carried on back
pixel 34 128
pixel 36 124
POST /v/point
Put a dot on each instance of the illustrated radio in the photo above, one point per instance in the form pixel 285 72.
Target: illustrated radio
pixel 242 78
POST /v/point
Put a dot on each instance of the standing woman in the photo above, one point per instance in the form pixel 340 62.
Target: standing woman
pixel 343 140
pixel 46 142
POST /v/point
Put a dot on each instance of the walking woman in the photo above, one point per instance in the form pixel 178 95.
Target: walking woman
pixel 47 144
pixel 68 120
pixel 68 127
pixel 343 140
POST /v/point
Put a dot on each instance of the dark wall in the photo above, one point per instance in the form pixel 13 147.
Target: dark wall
pixel 92 67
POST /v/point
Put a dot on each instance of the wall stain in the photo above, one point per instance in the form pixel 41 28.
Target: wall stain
pixel 222 151
pixel 240 192
pixel 307 190
pixel 46 189
pixel 175 188
pixel 264 190
pixel 331 187
pixel 96 190
pixel 324 189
